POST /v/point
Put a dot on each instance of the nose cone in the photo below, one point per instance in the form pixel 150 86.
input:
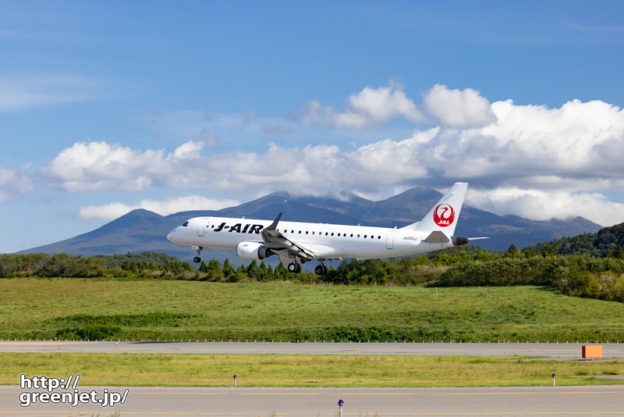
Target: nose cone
pixel 171 235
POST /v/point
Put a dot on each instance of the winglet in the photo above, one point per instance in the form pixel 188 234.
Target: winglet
pixel 273 225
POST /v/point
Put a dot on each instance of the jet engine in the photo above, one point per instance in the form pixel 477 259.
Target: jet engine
pixel 252 250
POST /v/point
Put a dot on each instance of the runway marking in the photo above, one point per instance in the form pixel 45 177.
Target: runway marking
pixel 499 413
pixel 41 343
pixel 537 392
pixel 271 394
pixel 283 394
pixel 214 394
pixel 355 394
pixel 332 413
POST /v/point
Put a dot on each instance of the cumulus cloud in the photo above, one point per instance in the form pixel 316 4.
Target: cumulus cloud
pixel 14 183
pixel 94 166
pixel 458 108
pixel 532 160
pixel 544 205
pixel 369 106
pixel 165 207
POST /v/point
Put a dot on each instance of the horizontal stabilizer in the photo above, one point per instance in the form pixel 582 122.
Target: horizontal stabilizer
pixel 437 237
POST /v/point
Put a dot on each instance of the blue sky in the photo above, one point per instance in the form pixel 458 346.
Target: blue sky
pixel 109 106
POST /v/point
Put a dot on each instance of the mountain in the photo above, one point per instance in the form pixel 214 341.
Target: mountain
pixel 142 230
pixel 607 240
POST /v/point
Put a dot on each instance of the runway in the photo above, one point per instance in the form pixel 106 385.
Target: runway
pixel 595 401
pixel 361 402
pixel 551 350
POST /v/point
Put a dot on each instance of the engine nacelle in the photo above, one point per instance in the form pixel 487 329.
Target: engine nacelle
pixel 253 251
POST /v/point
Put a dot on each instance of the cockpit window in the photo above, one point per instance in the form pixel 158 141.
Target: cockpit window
pixel 184 224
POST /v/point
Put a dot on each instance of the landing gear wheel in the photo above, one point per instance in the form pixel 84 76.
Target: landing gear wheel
pixel 294 267
pixel 197 259
pixel 320 270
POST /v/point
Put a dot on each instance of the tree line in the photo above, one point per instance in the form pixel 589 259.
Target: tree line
pixel 608 242
pixel 576 275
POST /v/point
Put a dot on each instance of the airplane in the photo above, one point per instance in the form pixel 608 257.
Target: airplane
pixel 296 243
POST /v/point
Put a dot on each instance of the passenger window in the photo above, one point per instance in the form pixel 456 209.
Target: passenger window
pixel 351 234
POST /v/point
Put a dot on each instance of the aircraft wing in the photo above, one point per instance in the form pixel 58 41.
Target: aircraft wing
pixel 281 245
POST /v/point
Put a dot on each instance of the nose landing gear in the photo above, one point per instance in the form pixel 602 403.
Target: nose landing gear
pixel 197 259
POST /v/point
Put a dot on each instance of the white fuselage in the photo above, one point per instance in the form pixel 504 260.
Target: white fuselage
pixel 327 241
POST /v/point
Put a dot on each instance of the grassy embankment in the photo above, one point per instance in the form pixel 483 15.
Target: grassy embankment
pixel 304 370
pixel 152 310
pixel 191 310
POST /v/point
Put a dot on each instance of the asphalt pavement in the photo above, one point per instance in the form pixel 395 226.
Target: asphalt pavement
pixel 551 350
pixel 598 401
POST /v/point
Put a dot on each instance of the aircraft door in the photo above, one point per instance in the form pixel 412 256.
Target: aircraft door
pixel 390 239
pixel 201 229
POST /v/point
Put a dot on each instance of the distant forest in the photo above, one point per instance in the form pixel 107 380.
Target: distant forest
pixel 588 265
pixel 607 242
pixel 575 275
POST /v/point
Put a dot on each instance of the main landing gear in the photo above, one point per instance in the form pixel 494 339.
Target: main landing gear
pixel 197 259
pixel 320 269
pixel 295 268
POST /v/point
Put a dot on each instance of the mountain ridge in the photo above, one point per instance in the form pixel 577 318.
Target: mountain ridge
pixel 607 241
pixel 142 230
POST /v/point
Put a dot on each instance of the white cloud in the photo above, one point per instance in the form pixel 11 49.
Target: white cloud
pixel 216 129
pixel 458 108
pixel 369 106
pixel 94 166
pixel 165 207
pixel 14 183
pixel 188 150
pixel 26 91
pixel 6 176
pixel 105 212
pixel 544 205
pixel 570 154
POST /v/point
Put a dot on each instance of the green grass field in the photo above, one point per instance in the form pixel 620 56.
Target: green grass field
pixel 191 310
pixel 304 370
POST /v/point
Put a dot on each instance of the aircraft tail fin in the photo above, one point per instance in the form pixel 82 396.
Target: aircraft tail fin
pixel 444 215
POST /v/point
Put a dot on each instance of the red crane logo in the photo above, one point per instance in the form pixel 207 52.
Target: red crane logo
pixel 443 215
